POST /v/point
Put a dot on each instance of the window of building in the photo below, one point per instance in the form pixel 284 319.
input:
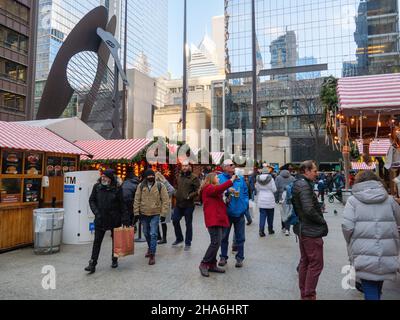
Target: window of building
pixel 12 70
pixel 13 40
pixel 16 9
pixel 12 101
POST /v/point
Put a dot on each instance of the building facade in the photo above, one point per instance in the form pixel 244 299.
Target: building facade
pixel 301 42
pixel 18 23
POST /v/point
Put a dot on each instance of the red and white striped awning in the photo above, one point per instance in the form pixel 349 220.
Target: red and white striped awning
pixel 370 93
pixel 22 137
pixel 113 149
pixel 362 166
pixel 377 148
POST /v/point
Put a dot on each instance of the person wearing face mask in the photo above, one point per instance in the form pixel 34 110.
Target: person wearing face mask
pixel 108 206
pixel 151 205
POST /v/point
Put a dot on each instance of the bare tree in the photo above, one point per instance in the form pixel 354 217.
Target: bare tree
pixel 310 108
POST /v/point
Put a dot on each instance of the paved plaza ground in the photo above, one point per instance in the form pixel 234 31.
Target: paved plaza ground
pixel 269 271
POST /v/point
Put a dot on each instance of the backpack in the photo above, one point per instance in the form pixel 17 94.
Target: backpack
pixel 294 217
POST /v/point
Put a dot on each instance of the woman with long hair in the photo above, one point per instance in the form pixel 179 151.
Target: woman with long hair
pixel 216 219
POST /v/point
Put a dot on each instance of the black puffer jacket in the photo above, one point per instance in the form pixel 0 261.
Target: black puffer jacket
pixel 128 192
pixel 312 223
pixel 108 206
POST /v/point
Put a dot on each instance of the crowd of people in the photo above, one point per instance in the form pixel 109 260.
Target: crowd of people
pixel 370 223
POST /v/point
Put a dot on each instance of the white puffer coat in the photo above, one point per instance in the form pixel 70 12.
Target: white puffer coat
pixel 266 189
pixel 370 227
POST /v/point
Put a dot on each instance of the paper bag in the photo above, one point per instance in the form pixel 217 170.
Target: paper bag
pixel 124 239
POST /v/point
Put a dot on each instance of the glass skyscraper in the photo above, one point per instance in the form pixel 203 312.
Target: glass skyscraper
pixel 147 36
pixel 300 42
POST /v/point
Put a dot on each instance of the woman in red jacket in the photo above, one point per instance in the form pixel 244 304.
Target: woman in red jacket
pixel 216 219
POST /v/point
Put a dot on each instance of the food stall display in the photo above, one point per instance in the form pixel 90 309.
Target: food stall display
pixel 367 118
pixel 28 154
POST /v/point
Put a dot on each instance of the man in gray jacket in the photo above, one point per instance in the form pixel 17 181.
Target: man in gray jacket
pixel 311 229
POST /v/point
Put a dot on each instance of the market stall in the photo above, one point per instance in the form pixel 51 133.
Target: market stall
pixel 32 164
pixel 366 122
pixel 115 154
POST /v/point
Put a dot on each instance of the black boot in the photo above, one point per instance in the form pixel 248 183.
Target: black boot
pixel 91 268
pixel 114 264
pixel 164 236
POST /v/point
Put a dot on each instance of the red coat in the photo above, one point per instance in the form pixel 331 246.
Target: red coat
pixel 213 205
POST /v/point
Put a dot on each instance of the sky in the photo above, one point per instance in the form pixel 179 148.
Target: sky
pixel 199 17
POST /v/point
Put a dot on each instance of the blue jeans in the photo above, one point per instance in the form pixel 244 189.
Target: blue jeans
pixel 179 213
pixel 372 289
pixel 267 215
pixel 150 229
pixel 248 216
pixel 239 224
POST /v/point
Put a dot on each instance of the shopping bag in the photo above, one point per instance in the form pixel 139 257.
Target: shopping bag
pixel 124 242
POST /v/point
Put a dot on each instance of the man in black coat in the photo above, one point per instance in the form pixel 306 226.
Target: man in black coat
pixel 311 229
pixel 128 192
pixel 107 204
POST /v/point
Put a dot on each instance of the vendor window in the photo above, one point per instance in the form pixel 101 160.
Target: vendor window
pixel 10 191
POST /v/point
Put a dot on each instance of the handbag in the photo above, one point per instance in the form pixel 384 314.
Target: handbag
pixel 124 242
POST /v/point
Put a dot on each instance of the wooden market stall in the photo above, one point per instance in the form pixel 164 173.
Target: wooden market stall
pixel 368 119
pixel 27 154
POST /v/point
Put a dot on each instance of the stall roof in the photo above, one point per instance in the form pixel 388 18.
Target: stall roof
pixel 362 166
pixel 379 147
pixel 370 93
pixel 113 149
pixel 22 137
pixel 71 129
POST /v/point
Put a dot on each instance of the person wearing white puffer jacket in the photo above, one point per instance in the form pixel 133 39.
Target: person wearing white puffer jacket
pixel 266 190
pixel 370 226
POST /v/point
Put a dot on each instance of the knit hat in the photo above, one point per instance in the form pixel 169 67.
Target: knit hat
pixel 148 173
pixel 109 173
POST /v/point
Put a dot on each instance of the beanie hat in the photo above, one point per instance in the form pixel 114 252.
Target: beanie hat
pixel 148 173
pixel 109 173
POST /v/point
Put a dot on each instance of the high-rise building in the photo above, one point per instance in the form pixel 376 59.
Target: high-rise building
pixel 284 54
pixel 343 37
pixel 18 25
pixel 203 60
pixel 147 36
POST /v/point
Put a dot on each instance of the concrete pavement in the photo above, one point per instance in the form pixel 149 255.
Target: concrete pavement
pixel 269 272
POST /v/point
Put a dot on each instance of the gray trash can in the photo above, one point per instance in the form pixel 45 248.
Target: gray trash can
pixel 48 225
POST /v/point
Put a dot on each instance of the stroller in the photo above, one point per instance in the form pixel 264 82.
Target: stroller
pixel 335 195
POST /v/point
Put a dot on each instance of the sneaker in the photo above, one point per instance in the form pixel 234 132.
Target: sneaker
pixel 222 262
pixel 152 260
pixel 215 269
pixel 249 223
pixel 114 264
pixel 271 232
pixel 177 243
pixel 287 233
pixel 204 270
pixel 187 248
pixel 262 234
pixel 163 241
pixel 239 264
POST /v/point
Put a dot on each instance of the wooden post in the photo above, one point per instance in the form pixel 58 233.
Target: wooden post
pixel 344 141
